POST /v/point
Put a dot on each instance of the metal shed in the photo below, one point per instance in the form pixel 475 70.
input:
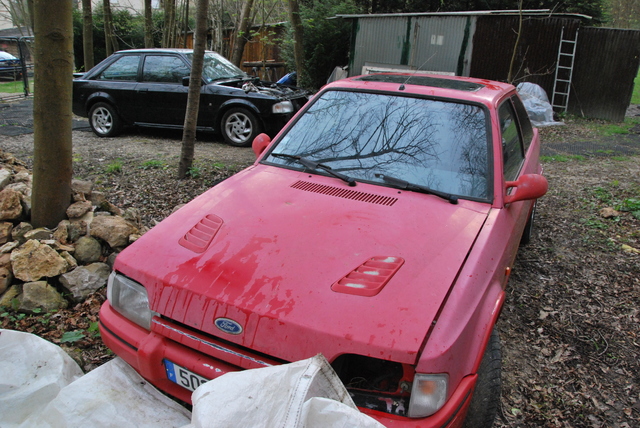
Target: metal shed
pixel 481 43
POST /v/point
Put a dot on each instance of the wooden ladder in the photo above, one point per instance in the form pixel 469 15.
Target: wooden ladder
pixel 564 72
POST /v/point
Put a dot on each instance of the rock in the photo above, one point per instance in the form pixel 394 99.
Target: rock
pixel 88 250
pixel 5 232
pixel 608 212
pixel 110 208
pixel 78 209
pixel 40 295
pixel 6 276
pixel 10 205
pixel 112 229
pixel 61 234
pixel 132 215
pixel 133 238
pixel 97 198
pixel 112 259
pixel 9 247
pixel 75 231
pixel 81 186
pixel 5 177
pixel 629 249
pixel 23 177
pixel 19 187
pixel 40 234
pixel 5 260
pixel 85 280
pixel 6 301
pixel 84 222
pixel 34 260
pixel 69 259
pixel 18 231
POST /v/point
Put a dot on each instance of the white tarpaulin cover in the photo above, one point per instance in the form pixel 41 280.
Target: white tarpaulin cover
pixel 40 385
pixel 537 104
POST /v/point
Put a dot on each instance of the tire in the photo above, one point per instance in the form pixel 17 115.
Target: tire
pixel 104 120
pixel 528 229
pixel 485 401
pixel 239 127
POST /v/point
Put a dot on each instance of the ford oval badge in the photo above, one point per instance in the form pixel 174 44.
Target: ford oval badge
pixel 228 326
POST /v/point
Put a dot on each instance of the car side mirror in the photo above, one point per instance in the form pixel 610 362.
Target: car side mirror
pixel 260 143
pixel 527 187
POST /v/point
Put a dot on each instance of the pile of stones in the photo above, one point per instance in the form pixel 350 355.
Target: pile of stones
pixel 43 270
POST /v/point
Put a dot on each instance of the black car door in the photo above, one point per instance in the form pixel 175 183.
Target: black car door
pixel 118 80
pixel 161 91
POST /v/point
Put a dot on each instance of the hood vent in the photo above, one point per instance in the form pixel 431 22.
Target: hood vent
pixel 344 193
pixel 370 277
pixel 200 236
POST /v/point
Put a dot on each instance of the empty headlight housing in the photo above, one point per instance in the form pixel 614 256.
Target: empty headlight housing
pixel 129 299
pixel 428 394
pixel 282 107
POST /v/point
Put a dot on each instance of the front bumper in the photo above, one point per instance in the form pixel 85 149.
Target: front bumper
pixel 145 352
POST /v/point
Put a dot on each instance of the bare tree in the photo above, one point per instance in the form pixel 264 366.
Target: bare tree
pixel 18 12
pixel 148 24
pixel 109 36
pixel 52 161
pixel 87 35
pixel 195 84
pixel 242 33
pixel 296 25
pixel 169 35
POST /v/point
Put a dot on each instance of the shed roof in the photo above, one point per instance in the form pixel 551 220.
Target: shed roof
pixel 527 12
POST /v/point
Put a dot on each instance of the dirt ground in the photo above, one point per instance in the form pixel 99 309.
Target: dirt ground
pixel 569 328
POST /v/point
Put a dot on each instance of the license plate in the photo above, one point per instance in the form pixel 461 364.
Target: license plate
pixel 183 377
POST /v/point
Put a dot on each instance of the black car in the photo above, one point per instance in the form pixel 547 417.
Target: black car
pixel 148 87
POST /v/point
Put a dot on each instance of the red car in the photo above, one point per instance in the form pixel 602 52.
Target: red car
pixel 378 228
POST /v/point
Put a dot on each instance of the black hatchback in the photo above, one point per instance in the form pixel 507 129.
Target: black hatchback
pixel 149 87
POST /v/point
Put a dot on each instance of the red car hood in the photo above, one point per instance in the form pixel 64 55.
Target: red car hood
pixel 282 239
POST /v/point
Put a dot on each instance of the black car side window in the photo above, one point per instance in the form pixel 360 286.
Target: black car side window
pixel 512 154
pixel 164 69
pixel 124 68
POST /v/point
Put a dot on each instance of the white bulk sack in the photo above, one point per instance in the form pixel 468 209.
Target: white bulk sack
pixel 32 373
pixel 306 393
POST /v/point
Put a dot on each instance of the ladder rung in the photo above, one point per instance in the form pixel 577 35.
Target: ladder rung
pixel 562 93
pixel 568 41
pixel 563 80
pixel 565 67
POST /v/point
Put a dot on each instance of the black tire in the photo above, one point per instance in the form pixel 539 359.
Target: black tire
pixel 528 229
pixel 485 401
pixel 104 120
pixel 239 127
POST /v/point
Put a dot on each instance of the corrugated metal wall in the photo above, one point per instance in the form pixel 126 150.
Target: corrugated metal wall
pixel 536 54
pixel 607 61
pixel 425 43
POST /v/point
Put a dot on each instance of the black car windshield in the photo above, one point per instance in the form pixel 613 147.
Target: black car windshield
pixel 442 145
pixel 217 67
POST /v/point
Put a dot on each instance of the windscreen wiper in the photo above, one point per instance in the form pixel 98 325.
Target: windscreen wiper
pixel 313 165
pixel 405 185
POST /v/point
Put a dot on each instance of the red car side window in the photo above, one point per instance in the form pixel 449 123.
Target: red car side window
pixel 512 153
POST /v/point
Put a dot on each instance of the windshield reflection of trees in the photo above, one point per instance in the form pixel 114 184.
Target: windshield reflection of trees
pixel 422 141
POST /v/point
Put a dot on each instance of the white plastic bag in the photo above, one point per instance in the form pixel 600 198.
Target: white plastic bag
pixel 537 104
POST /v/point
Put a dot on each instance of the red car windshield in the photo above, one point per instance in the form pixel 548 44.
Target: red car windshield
pixel 439 144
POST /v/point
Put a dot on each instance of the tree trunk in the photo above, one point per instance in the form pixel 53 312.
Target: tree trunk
pixel 242 33
pixel 298 51
pixel 52 151
pixel 195 85
pixel 109 37
pixel 148 24
pixel 169 37
pixel 87 35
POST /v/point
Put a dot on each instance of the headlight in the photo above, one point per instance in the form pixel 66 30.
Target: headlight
pixel 129 299
pixel 282 107
pixel 428 394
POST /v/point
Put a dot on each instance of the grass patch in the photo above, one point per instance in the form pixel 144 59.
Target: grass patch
pixel 610 129
pixel 114 167
pixel 152 164
pixel 15 87
pixel 561 158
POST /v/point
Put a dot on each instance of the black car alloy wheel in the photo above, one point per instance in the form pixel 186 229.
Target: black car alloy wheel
pixel 104 120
